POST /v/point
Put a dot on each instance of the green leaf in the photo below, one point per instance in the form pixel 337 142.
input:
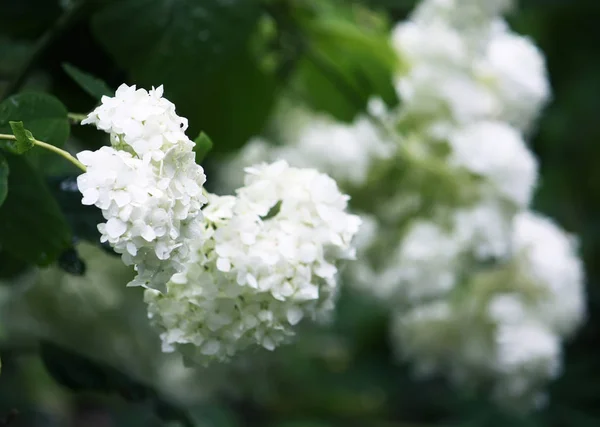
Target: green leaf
pixel 25 140
pixel 82 219
pixel 81 373
pixel 4 170
pixel 92 85
pixel 11 266
pixel 32 226
pixel 44 116
pixel 199 51
pixel 203 146
pixel 345 65
pixel 171 41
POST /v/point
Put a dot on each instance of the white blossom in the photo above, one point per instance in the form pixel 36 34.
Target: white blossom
pixel 471 17
pixel 515 71
pixel 346 152
pixel 419 269
pixel 496 151
pixel 147 184
pixel 505 322
pixel 436 81
pixel 270 262
pixel 548 258
pixel 142 122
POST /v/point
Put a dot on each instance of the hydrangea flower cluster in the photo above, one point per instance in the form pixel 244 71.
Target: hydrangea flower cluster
pixel 245 269
pixel 147 183
pixel 448 242
pixel 465 64
pixel 312 140
pixel 269 260
pixel 471 304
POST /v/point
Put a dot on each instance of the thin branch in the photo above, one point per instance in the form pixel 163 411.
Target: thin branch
pixel 76 118
pixel 64 154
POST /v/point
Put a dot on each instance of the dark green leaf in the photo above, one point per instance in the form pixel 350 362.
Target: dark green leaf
pixel 203 146
pixel 32 226
pixel 81 373
pixel 92 85
pixel 44 116
pixel 25 140
pixel 11 266
pixel 4 170
pixel 82 219
pixel 199 51
pixel 170 41
pixel 28 18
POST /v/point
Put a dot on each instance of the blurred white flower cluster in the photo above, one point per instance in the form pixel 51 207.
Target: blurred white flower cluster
pixel 147 183
pixel 481 288
pixel 243 270
pixel 487 289
pixel 269 261
pixel 345 152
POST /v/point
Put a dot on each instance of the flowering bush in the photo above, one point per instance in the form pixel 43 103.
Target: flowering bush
pixel 369 214
pixel 453 179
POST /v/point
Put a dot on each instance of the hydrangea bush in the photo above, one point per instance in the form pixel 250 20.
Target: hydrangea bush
pixel 422 207
pixel 448 244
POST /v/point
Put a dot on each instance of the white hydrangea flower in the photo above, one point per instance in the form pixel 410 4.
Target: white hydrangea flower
pixel 504 323
pixel 515 70
pixel 346 152
pixel 432 255
pixel 436 44
pixel 472 17
pixel 497 152
pixel 270 262
pixel 148 184
pixel 462 62
pixel 527 351
pixel 485 229
pixel 418 269
pixel 142 122
pixel 548 259
pixel 528 355
pixel 437 82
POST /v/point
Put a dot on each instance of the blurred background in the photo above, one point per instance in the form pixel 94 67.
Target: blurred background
pixel 75 346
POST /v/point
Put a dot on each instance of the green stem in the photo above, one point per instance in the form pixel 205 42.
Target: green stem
pixel 76 118
pixel 64 154
pixel 65 20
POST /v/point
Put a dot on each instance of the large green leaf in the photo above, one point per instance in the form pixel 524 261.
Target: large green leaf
pixel 32 227
pixel 172 41
pixel 198 50
pixel 237 104
pixel 42 114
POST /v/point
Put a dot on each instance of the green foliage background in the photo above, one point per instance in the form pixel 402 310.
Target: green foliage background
pixel 67 359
